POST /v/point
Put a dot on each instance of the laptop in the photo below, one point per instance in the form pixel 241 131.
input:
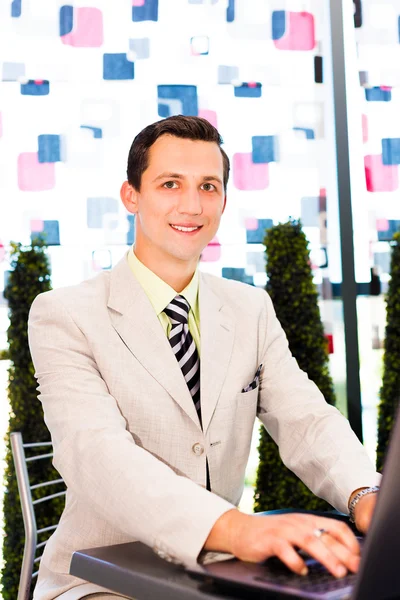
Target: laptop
pixel 378 577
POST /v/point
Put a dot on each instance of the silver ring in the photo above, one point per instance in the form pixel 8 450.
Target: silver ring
pixel 320 532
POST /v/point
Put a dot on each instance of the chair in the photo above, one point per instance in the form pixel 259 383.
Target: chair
pixel 28 509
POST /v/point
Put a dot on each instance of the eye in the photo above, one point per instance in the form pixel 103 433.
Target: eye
pixel 169 185
pixel 210 188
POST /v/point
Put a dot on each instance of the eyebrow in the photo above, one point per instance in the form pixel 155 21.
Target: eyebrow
pixel 180 176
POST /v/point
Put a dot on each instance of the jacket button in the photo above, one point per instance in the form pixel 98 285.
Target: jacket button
pixel 198 449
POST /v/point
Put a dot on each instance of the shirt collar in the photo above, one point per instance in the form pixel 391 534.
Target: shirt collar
pixel 158 291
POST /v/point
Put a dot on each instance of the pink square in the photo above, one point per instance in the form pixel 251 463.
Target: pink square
pixel 210 116
pixel 37 225
pixel 251 224
pixel 88 29
pixel 380 177
pixel 247 175
pixel 365 128
pixel 138 2
pixel 34 176
pixel 382 225
pixel 300 32
pixel 212 252
pixel 2 252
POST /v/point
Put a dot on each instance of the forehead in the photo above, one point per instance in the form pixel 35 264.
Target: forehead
pixel 169 153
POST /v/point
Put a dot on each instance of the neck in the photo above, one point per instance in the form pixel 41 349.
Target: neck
pixel 177 274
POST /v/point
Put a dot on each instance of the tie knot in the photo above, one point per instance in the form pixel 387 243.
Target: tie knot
pixel 178 310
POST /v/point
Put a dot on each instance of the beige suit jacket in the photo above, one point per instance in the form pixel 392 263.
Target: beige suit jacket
pixel 126 436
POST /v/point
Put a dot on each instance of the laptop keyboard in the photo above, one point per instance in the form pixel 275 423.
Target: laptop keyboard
pixel 318 580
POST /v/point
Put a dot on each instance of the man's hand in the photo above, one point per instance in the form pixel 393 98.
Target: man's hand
pixel 255 538
pixel 363 512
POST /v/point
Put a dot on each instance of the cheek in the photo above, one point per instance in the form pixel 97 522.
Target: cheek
pixel 152 211
pixel 215 216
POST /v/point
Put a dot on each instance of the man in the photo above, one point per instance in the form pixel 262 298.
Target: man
pixel 151 377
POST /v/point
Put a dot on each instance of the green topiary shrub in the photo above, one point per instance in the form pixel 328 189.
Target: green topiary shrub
pixel 295 299
pixel 30 276
pixel 390 390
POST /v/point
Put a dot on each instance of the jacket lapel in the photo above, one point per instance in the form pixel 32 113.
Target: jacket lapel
pixel 135 321
pixel 217 332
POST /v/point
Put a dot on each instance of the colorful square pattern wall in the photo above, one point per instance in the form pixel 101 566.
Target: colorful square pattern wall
pixel 377 34
pixel 80 80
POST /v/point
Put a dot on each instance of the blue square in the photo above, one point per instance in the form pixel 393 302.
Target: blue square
pixel 117 67
pixel 66 19
pixel 391 151
pixel 50 233
pixel 141 47
pixel 309 133
pixel 186 95
pixel 226 74
pixel 147 12
pixel 16 8
pixel 387 236
pixel 256 236
pixel 247 90
pixel 31 88
pixel 278 24
pixel 230 11
pixel 377 94
pixel 163 110
pixel 49 148
pixel 310 211
pixel 97 131
pixel 264 150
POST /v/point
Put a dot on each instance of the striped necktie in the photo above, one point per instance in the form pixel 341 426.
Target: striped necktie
pixel 184 347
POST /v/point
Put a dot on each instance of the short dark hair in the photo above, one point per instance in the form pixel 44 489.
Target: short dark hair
pixel 191 128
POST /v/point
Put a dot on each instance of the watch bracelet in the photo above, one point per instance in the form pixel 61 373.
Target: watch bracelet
pixel 357 497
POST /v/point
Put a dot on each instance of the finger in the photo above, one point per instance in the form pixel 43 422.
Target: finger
pixel 347 558
pixel 306 540
pixel 339 530
pixel 288 555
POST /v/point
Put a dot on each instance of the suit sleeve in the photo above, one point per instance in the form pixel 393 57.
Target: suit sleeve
pixel 315 440
pixel 95 453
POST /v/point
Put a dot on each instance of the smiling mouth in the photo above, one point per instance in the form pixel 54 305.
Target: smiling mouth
pixel 186 230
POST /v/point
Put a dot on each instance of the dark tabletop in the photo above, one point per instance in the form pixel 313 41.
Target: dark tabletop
pixel 134 570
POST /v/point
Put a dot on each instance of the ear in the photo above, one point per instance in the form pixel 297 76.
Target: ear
pixel 129 197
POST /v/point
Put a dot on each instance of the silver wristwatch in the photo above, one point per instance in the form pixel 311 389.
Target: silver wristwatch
pixel 357 498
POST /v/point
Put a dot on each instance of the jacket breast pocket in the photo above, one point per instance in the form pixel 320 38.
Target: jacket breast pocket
pixel 246 399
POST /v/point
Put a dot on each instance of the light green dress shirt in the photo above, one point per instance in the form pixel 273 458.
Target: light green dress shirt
pixel 160 295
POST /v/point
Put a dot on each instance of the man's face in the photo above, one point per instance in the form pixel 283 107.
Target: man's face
pixel 181 188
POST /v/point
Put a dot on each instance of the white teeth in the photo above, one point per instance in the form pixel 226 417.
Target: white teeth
pixel 184 228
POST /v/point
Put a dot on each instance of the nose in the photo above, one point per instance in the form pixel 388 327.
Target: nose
pixel 190 202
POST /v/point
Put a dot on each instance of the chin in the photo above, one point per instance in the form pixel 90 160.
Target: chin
pixel 185 256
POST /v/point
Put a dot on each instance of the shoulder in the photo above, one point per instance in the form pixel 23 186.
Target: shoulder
pixel 83 296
